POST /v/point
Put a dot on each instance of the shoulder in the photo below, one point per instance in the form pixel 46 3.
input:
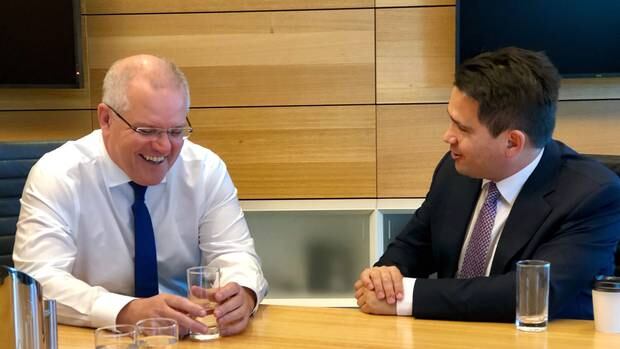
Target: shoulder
pixel 196 162
pixel 71 156
pixel 193 153
pixel 581 181
pixel 577 167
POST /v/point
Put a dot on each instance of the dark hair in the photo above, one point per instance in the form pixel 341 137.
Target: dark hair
pixel 516 89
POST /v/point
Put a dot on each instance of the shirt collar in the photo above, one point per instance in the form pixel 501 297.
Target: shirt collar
pixel 510 187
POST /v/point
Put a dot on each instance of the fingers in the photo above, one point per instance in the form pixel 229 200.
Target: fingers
pixel 184 305
pixel 361 299
pixel 359 293
pixel 164 305
pixel 233 322
pixel 397 282
pixel 377 281
pixel 204 293
pixel 233 313
pixel 184 311
pixel 227 291
pixel 365 278
pixel 385 281
pixel 368 303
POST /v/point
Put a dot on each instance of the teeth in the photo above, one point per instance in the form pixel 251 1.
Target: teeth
pixel 157 159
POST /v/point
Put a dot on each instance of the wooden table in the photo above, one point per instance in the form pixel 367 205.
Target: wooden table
pixel 301 327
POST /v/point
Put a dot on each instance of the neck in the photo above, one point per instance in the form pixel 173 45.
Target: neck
pixel 517 163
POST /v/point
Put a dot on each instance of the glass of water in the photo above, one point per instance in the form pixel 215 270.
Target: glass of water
pixel 532 295
pixel 116 337
pixel 157 333
pixel 202 284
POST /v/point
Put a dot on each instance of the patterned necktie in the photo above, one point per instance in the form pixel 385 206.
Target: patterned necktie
pixel 475 260
pixel 145 260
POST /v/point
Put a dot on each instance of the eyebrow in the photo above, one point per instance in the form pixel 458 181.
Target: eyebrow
pixel 459 124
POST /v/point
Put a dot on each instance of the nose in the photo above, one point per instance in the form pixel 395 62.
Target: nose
pixel 449 136
pixel 162 143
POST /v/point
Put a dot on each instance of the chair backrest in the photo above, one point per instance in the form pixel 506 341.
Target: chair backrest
pixel 613 163
pixel 16 159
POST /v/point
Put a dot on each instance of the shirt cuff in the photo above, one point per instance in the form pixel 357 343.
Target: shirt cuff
pixel 404 307
pixel 106 309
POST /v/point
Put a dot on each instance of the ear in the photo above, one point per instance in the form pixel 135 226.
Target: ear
pixel 104 116
pixel 515 142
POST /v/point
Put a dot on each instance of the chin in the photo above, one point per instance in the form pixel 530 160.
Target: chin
pixel 464 171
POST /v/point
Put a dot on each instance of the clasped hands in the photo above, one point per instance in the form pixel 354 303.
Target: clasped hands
pixel 235 305
pixel 378 289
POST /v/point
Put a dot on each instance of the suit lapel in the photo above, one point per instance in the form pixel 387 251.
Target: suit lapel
pixel 459 209
pixel 529 210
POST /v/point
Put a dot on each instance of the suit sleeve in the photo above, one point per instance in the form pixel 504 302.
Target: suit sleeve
pixel 411 251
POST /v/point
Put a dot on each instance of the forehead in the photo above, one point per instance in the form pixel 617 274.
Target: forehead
pixel 463 108
pixel 156 104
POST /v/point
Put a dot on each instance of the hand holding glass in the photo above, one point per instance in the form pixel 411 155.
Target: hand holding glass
pixel 202 284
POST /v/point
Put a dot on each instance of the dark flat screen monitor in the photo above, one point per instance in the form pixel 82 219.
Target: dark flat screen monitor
pixel 40 43
pixel 581 37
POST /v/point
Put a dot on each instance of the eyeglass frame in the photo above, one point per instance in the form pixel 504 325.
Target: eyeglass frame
pixel 141 130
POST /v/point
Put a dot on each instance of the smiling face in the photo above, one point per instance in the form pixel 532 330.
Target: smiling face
pixel 475 151
pixel 145 160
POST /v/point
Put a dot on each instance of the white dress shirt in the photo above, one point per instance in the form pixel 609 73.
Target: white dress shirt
pixel 509 189
pixel 75 230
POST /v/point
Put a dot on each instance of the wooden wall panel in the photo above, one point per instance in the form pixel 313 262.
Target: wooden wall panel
pixel 415 54
pixel 163 6
pixel 409 146
pixel 409 141
pixel 44 125
pixel 293 152
pixel 590 126
pixel 36 99
pixel 594 88
pixel 394 3
pixel 240 59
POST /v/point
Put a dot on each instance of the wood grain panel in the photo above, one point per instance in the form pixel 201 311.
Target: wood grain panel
pixel 35 98
pixel 409 147
pixel 44 125
pixel 594 88
pixel 393 3
pixel 589 126
pixel 162 6
pixel 293 152
pixel 409 140
pixel 240 59
pixel 415 54
pixel 297 327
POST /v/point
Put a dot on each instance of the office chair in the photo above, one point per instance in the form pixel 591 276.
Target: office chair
pixel 16 159
pixel 613 163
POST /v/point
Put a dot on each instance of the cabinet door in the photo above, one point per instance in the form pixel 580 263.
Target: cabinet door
pixel 311 254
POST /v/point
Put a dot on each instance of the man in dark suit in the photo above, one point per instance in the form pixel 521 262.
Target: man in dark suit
pixel 505 192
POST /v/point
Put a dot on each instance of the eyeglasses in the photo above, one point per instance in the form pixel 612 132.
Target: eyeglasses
pixel 176 133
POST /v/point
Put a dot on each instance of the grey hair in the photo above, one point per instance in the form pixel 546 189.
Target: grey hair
pixel 161 73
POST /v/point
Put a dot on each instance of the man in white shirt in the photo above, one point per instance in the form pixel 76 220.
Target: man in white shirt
pixel 505 192
pixel 75 232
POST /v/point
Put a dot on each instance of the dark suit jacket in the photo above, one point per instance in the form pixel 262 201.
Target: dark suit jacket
pixel 568 213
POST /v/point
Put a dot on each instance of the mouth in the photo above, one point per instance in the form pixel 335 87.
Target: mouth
pixel 455 156
pixel 156 160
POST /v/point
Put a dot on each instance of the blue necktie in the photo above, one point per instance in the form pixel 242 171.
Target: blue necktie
pixel 476 255
pixel 145 258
